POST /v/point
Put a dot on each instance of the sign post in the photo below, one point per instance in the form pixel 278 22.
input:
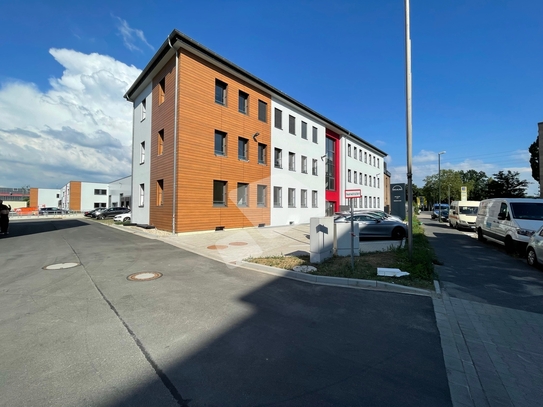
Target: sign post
pixel 351 194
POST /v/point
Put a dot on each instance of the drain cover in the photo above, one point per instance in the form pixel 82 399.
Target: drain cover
pixel 145 276
pixel 60 266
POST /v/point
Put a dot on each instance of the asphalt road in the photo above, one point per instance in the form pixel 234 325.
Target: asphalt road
pixel 483 271
pixel 204 334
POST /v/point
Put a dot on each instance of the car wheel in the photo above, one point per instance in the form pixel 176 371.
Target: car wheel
pixel 531 257
pixel 480 236
pixel 398 233
pixel 101 217
pixel 509 244
pixel 456 226
pixel 127 219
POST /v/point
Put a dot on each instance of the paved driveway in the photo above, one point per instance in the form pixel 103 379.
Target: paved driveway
pixel 204 334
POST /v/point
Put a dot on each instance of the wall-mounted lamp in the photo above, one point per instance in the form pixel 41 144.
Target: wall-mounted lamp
pixel 322 157
pixel 256 135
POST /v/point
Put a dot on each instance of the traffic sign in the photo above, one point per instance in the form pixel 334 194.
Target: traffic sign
pixel 353 193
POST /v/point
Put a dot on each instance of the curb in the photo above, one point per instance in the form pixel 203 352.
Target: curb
pixel 336 281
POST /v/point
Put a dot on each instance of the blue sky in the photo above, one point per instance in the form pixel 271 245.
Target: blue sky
pixel 477 76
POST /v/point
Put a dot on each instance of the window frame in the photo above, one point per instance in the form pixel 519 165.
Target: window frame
pixel 291 161
pixel 315 167
pixel 223 192
pixel 315 135
pixel 243 102
pixel 278 158
pixel 303 198
pixel 243 142
pixel 291 124
pixel 142 152
pixel 142 196
pixel 262 111
pixel 291 197
pixel 244 197
pixel 304 164
pixel 261 196
pixel 223 142
pixel 262 153
pixel 221 91
pixel 314 199
pixel 160 192
pixel 143 109
pixel 160 142
pixel 277 197
pixel 278 118
pixel 304 130
pixel 161 91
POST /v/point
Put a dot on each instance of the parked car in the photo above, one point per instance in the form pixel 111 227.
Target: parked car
pixel 109 212
pixel 51 211
pixel 123 217
pixel 371 226
pixel 90 213
pixel 444 212
pixel 534 249
pixel 380 214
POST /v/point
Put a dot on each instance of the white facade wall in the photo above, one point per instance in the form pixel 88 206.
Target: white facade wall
pixel 91 197
pixel 286 178
pixel 141 170
pixel 49 198
pixel 366 173
pixel 119 192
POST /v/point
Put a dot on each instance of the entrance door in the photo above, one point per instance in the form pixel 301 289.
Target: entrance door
pixel 330 208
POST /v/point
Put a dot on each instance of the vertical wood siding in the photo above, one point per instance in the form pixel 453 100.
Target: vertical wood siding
pixel 75 195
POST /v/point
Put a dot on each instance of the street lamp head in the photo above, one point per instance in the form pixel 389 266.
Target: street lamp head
pixel 443 152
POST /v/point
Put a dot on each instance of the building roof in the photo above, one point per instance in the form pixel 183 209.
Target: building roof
pixel 178 40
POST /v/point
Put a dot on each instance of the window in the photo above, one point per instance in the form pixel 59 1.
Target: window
pixel 278 158
pixel 315 135
pixel 369 155
pixel 220 142
pixel 160 143
pixel 374 181
pixel 292 124
pixel 99 204
pixel 374 161
pixel 330 167
pixel 242 148
pixel 291 198
pixel 355 153
pixel 304 164
pixel 262 111
pixel 360 182
pixel 304 130
pixel 277 197
pixel 378 202
pixel 161 91
pixel 348 175
pixel 365 202
pixel 355 179
pixel 377 163
pixel 303 198
pixel 142 195
pixel 261 198
pixel 366 179
pixel 160 192
pixel 142 152
pixel 315 199
pixel 378 183
pixel 314 167
pixel 370 180
pixel 100 192
pixel 220 92
pixel 360 155
pixel 355 202
pixel 278 119
pixel 243 194
pixel 349 150
pixel 219 193
pixel 365 157
pixel 143 109
pixel 292 161
pixel 262 153
pixel 243 104
pixel 374 203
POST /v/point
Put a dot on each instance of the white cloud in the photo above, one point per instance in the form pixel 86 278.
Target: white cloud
pixel 131 35
pixel 79 129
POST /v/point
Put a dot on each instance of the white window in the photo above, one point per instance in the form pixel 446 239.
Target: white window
pixel 349 175
pixel 291 198
pixel 355 177
pixel 277 197
pixel 291 161
pixel 314 199
pixel 303 198
pixel 304 164
pixel 142 195
pixel 143 109
pixel 142 152
pixel 243 193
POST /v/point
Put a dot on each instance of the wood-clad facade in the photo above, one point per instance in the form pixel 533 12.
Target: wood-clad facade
pixel 209 150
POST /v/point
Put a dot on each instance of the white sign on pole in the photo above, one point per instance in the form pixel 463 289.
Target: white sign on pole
pixel 353 193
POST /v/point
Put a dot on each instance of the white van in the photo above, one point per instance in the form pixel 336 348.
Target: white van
pixel 463 214
pixel 510 221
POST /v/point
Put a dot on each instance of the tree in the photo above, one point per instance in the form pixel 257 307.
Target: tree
pixel 476 183
pixel 507 185
pixel 534 158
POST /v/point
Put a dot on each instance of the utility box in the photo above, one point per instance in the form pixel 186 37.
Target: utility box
pixel 343 239
pixel 321 239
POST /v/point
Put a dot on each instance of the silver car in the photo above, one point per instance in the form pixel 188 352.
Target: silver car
pixel 372 226
pixel 534 249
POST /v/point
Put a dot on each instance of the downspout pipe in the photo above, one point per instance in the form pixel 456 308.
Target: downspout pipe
pixel 174 189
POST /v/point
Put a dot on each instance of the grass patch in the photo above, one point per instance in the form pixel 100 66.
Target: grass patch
pixel 420 266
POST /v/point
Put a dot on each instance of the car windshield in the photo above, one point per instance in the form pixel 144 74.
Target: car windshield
pixel 468 210
pixel 527 210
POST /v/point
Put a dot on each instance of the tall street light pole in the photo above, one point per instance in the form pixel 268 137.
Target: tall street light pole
pixel 439 181
pixel 408 131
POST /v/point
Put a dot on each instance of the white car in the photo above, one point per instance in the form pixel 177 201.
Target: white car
pixel 123 217
pixel 534 249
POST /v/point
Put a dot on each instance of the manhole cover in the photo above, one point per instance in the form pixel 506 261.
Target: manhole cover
pixel 238 243
pixel 145 276
pixel 60 266
pixel 217 247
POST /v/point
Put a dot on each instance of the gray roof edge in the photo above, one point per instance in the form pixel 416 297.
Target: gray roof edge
pixel 176 36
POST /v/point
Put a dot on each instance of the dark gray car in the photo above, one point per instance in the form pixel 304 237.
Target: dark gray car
pixel 109 212
pixel 372 226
